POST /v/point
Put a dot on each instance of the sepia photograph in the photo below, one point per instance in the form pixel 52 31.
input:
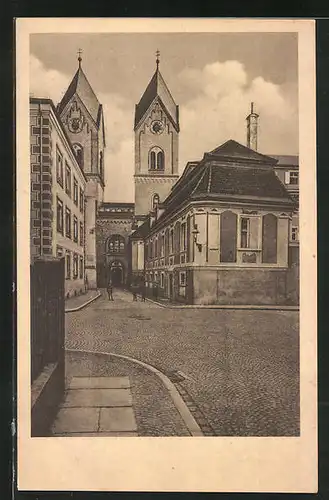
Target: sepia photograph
pixel 165 237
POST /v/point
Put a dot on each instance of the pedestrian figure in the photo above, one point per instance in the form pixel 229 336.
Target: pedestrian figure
pixel 134 294
pixel 110 291
pixel 143 293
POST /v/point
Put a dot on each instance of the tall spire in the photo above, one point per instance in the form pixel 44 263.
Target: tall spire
pixel 157 59
pixel 79 57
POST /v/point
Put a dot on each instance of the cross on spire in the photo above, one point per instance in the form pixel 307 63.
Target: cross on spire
pixel 158 58
pixel 79 57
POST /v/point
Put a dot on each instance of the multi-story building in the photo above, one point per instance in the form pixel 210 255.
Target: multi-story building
pixel 81 114
pixel 58 188
pixel 222 234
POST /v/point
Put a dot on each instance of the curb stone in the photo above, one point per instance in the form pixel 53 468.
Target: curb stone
pixel 85 304
pixel 182 408
pixel 224 306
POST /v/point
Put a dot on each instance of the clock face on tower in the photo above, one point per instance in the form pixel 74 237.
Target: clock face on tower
pixel 75 125
pixel 157 127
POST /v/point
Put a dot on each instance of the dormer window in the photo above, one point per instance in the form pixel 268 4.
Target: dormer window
pixel 156 159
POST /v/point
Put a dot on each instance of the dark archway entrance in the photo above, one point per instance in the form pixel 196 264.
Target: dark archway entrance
pixel 117 273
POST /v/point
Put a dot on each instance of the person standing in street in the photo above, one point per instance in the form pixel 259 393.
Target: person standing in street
pixel 110 291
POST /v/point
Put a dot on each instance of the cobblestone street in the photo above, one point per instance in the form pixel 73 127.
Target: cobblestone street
pixel 238 367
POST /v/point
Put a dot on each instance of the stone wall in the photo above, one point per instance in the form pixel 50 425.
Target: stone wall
pixel 240 286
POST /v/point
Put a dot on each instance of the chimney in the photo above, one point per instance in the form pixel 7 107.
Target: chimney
pixel 252 126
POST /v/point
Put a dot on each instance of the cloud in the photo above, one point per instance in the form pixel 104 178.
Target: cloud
pixel 118 115
pixel 219 96
pixel 220 103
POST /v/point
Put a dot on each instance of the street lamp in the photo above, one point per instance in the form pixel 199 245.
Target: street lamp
pixel 195 233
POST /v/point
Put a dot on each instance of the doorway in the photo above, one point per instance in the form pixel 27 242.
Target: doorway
pixel 116 274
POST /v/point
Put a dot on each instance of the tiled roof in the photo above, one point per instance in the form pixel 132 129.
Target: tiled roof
pixel 80 86
pixel 231 169
pixel 142 230
pixel 288 160
pixel 157 88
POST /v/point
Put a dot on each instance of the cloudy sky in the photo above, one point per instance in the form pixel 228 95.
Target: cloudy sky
pixel 213 78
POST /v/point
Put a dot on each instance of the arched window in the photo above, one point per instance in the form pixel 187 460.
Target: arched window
pixel 78 149
pixel 116 244
pixel 101 167
pixel 160 160
pixel 156 159
pixel 155 201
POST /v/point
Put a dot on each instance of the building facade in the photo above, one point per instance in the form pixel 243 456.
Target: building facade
pixel 156 145
pixel 58 187
pixel 82 117
pixel 222 234
pixel 113 229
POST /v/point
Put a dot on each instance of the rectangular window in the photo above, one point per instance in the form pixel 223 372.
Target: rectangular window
pixel 183 236
pixel 75 229
pixel 293 178
pixel 68 266
pixel 59 167
pixel 60 216
pixel 67 222
pixel 182 278
pixel 249 232
pixel 75 266
pixel 75 191
pixel 81 200
pixel 81 267
pixel 162 280
pixel 294 233
pixel 59 251
pixel 68 180
pixel 161 245
pixel 81 235
pixel 171 241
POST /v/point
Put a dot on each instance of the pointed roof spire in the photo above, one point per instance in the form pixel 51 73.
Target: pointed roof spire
pixel 157 88
pixel 157 59
pixel 81 86
pixel 79 57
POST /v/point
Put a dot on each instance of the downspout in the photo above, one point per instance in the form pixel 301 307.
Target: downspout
pixel 41 183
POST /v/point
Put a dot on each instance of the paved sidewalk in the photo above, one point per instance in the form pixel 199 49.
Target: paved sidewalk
pixel 107 396
pixel 76 303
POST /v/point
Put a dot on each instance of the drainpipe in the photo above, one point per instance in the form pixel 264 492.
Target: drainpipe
pixel 41 183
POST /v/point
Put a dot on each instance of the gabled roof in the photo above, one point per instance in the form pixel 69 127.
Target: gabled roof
pixel 234 149
pixel 81 86
pixel 157 88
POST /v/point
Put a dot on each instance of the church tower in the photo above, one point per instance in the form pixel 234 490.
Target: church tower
pixel 156 145
pixel 82 116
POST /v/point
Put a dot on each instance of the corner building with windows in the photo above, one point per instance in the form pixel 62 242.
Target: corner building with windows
pixel 58 187
pixel 222 234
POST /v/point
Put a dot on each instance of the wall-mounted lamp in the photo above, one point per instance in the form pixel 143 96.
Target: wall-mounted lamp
pixel 195 233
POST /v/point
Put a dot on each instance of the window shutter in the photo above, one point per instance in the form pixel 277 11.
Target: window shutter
pixel 254 228
pixel 228 236
pixel 269 250
pixel 287 177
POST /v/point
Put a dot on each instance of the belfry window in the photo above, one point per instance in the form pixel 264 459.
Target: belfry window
pixel 78 149
pixel 155 201
pixel 116 244
pixel 156 159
